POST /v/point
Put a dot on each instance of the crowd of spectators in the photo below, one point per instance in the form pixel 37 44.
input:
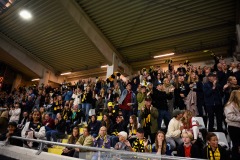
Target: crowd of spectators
pixel 133 112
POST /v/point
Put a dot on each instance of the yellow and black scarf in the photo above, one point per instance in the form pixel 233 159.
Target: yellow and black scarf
pixel 213 155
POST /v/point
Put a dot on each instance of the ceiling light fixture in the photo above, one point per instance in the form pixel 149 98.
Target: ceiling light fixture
pixel 104 66
pixel 36 79
pixel 25 14
pixel 164 55
pixel 66 73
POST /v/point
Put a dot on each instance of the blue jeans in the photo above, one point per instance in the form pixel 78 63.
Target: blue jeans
pixel 54 134
pixel 86 107
pixel 163 115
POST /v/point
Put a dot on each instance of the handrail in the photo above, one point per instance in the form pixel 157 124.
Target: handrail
pixel 118 152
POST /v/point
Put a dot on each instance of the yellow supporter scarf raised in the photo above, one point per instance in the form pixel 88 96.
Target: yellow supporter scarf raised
pixel 147 120
pixel 213 155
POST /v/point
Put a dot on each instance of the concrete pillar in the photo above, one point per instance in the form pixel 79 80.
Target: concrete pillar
pixel 17 81
pixel 45 78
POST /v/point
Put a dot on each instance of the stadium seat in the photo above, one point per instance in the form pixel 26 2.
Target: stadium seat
pixel 81 130
pixel 222 140
pixel 99 118
pixel 55 150
pixel 201 122
pixel 65 141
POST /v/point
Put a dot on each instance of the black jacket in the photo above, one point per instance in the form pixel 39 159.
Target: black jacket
pixel 195 151
pixel 160 99
pixel 223 153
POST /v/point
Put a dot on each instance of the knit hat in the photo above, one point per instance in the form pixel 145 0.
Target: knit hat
pixel 177 112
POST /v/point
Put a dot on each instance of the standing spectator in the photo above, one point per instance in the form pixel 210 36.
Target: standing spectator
pixel 87 100
pixel 168 87
pixel 213 101
pixel 57 106
pixel 149 115
pixel 127 102
pixel 232 113
pixel 15 113
pixel 160 98
pixel 229 87
pixel 237 74
pixel 175 129
pixel 180 92
pixel 142 94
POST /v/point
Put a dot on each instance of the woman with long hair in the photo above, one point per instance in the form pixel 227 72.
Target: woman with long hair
pixel 71 140
pixel 232 113
pixel 34 130
pixel 161 146
pixel 132 127
pixel 107 123
pixel 229 87
pixel 190 124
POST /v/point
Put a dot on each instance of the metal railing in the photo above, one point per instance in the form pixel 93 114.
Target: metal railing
pixel 117 153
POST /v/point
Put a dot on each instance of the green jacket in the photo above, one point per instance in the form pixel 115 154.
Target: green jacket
pixel 153 119
pixel 85 141
pixel 140 100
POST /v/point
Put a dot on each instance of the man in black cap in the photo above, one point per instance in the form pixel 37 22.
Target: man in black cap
pixel 141 144
pixel 213 101
pixel 149 115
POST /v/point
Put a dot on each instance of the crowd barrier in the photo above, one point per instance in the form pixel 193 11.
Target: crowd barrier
pixel 92 152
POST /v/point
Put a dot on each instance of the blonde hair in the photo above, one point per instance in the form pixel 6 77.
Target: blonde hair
pixel 190 79
pixel 189 135
pixel 234 98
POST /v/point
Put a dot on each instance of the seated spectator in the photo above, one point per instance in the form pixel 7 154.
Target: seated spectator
pixel 123 143
pixel 59 131
pixel 174 129
pixel 117 127
pixel 141 144
pixel 213 150
pixel 132 128
pixel 190 124
pixel 161 147
pixel 107 123
pixel 77 114
pixel 15 113
pixel 67 116
pixel 67 151
pixel 12 130
pixel 4 121
pixel 187 149
pixel 102 140
pixel 94 126
pixel 111 112
pixel 23 120
pixel 85 140
pixel 48 122
pixel 33 130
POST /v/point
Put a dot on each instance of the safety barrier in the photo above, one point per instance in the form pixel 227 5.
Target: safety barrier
pixel 102 153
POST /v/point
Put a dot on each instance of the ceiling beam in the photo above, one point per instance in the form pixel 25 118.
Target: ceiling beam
pixel 91 30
